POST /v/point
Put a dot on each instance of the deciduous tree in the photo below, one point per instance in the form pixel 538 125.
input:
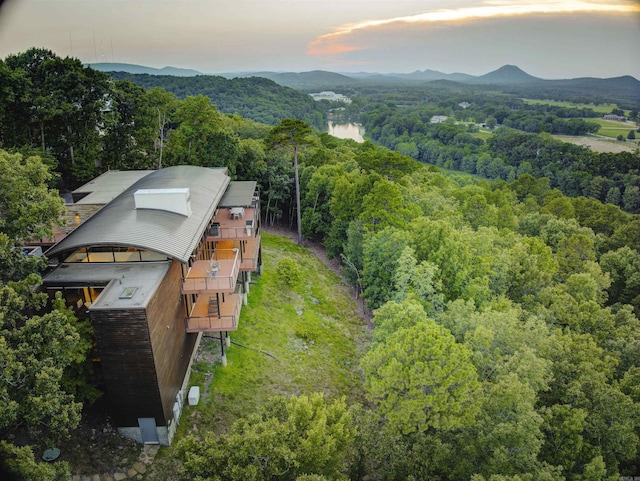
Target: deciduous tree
pixel 285 439
pixel 27 207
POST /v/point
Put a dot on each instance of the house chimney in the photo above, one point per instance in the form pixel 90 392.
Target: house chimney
pixel 170 200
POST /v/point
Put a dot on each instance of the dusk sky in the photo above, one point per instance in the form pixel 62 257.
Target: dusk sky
pixel 548 38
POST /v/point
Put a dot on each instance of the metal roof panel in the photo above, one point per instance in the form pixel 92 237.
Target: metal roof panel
pixel 119 223
pixel 239 194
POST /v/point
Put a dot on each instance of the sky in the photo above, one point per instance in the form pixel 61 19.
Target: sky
pixel 549 38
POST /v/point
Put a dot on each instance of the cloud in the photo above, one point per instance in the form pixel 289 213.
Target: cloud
pixel 346 38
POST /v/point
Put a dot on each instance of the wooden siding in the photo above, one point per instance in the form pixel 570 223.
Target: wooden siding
pixel 145 354
pixel 126 356
pixel 172 346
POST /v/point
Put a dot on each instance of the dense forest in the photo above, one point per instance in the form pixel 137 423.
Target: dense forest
pixel 520 143
pixel 255 98
pixel 506 343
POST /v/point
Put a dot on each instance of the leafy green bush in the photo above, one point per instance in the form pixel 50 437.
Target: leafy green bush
pixel 19 463
pixel 286 440
pixel 289 273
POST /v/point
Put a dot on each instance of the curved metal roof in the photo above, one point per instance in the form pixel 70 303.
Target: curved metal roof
pixel 119 223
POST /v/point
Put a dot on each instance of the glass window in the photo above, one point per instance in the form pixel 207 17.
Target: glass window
pixel 101 254
pixel 126 254
pixel 152 256
pixel 114 254
pixel 78 256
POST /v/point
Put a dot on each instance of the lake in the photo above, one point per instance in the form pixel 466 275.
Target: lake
pixel 346 131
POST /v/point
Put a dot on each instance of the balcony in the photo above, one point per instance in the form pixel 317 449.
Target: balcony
pixel 234 223
pixel 216 275
pixel 212 314
pixel 249 255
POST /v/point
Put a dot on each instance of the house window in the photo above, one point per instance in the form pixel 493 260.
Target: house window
pixel 78 256
pixel 79 297
pixel 113 254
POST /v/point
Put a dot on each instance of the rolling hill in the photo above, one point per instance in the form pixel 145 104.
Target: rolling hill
pixel 256 98
pixel 139 69
pixel 508 78
pixel 301 80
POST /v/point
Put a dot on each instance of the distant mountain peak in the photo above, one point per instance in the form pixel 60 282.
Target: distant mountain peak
pixel 141 69
pixel 507 74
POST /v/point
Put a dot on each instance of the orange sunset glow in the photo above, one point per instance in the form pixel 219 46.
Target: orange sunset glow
pixel 548 38
pixel 335 43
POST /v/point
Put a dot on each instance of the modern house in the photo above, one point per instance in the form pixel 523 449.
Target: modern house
pixel 157 259
pixel 438 119
pixel 331 96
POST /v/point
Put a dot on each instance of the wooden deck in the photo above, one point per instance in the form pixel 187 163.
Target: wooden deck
pixel 235 226
pixel 225 218
pixel 202 278
pixel 204 319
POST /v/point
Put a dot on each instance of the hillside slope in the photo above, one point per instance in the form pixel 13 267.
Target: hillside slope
pixel 255 98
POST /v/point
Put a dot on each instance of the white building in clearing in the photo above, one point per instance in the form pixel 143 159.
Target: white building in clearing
pixel 618 118
pixel 438 119
pixel 331 96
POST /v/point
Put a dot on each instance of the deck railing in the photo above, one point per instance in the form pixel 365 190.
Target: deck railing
pixel 221 232
pixel 227 225
pixel 215 323
pixel 218 274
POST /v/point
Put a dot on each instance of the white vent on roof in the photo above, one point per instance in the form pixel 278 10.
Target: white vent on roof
pixel 171 200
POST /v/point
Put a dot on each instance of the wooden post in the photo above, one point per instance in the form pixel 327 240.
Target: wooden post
pixel 223 355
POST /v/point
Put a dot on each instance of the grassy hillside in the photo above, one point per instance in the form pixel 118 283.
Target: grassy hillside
pixel 313 331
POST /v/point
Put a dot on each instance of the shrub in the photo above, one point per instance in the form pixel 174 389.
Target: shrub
pixel 299 438
pixel 289 273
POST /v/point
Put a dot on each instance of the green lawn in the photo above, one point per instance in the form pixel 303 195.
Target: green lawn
pixel 482 134
pixel 313 332
pixel 603 108
pixel 612 128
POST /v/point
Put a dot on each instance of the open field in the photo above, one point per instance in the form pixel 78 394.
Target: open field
pixel 613 128
pixel 482 134
pixel 602 108
pixel 600 144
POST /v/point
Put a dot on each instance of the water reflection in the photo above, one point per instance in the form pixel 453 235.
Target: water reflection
pixel 346 131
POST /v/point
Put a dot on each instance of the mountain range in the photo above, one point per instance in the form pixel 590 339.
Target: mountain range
pixel 133 68
pixel 508 78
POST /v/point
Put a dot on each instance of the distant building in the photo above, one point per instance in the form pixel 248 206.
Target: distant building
pixel 619 118
pixel 331 96
pixel 438 119
pixel 156 259
pixel 464 105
